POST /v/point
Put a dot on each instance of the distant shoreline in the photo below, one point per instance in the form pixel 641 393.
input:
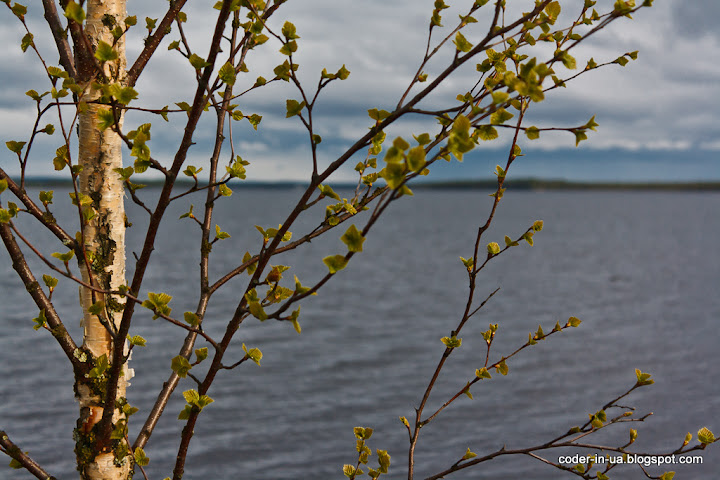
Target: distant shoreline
pixel 517 184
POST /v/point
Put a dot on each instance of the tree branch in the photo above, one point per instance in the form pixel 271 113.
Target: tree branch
pixel 10 449
pixel 60 36
pixel 153 42
pixel 38 295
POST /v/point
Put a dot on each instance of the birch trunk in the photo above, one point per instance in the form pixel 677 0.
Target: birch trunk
pixel 104 237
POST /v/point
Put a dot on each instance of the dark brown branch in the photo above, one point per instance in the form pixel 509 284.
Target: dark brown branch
pixel 60 36
pixel 38 295
pixel 153 42
pixel 35 211
pixel 13 451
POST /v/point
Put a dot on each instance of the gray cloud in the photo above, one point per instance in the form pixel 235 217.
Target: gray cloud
pixel 696 18
pixel 668 99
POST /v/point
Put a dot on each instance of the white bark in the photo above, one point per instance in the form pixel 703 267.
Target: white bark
pixel 104 235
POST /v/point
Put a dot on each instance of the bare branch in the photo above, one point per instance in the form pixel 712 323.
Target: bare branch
pixel 13 451
pixel 61 41
pixel 153 42
pixel 38 295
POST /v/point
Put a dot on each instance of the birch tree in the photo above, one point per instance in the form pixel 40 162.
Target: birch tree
pixel 90 92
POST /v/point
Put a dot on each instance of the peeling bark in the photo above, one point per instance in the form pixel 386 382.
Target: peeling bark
pixel 103 265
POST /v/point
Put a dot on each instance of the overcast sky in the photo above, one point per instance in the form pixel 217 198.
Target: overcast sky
pixel 659 116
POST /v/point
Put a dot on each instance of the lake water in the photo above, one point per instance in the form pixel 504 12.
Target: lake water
pixel 641 269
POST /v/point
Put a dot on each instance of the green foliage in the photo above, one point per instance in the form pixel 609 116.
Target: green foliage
pixel 158 303
pixel 643 378
pixel 253 354
pixel 502 367
pixel 378 115
pixel 137 340
pixel 353 239
pixel 227 74
pixel 74 12
pixel 198 62
pixel 140 457
pixel 469 454
pixel 14 146
pixel 294 108
pixel 459 140
pixel 26 42
pixel 194 401
pixel 201 354
pixel 451 342
pixel 289 31
pixel 105 52
pixel 101 366
pixel 219 234
pixel 64 257
pixel 573 322
pixel 192 319
pixel 461 43
pixel 40 321
pixel 181 366
pixel 335 263
pixel 50 282
pixel 705 436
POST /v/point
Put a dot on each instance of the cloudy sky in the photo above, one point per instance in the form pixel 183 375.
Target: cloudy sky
pixel 659 116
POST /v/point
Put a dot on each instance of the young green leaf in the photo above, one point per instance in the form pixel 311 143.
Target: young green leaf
pixel 416 158
pixel 74 12
pixel 105 52
pixel 353 239
pixel 327 191
pixel 378 115
pixel 198 62
pixel 335 263
pixel 705 436
pixel 64 257
pixel 289 31
pixel 469 454
pixel 219 234
pixel 493 248
pixel 486 132
pixel 451 342
pixel 137 340
pixel 643 378
pixel 50 282
pixel 14 146
pixel 192 319
pixel 343 73
pixel 201 354
pixel 502 367
pixel 257 311
pixel 140 458
pixel 293 108
pixel 253 354
pixel 532 133
pixel 227 74
pixel 181 366
pixel 289 48
pixel 461 43
pixel 573 322
pixel 40 320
